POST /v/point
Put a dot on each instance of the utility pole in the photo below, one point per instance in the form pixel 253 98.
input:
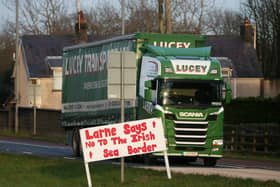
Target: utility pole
pixel 122 90
pixel 17 72
pixel 168 16
pixel 34 84
pixel 78 10
pixel 160 15
pixel 123 14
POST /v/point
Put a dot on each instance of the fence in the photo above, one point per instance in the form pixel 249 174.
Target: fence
pixel 252 138
pixel 47 121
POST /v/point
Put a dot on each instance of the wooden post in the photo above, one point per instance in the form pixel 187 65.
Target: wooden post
pixel 160 15
pixel 17 70
pixel 11 117
pixel 254 143
pixel 266 142
pixel 168 16
pixel 123 19
pixel 242 140
pixel 34 84
pixel 122 109
pixel 88 174
pixel 232 140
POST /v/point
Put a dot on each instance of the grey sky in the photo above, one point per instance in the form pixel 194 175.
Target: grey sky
pixel 6 14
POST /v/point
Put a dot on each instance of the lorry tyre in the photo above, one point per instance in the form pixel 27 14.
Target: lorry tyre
pixel 76 145
pixel 210 162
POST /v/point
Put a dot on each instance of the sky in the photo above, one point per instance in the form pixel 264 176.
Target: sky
pixel 6 14
pixel 229 4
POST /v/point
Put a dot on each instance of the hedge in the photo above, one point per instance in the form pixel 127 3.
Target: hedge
pixel 253 110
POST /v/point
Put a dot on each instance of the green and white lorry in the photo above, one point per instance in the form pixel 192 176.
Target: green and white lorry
pixel 175 79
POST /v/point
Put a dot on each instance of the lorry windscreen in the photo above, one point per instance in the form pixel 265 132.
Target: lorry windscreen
pixel 189 93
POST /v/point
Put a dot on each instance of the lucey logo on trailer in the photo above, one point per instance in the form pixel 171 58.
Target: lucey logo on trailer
pixel 172 44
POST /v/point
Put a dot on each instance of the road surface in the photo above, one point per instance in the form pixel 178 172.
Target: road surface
pixel 33 147
pixel 225 167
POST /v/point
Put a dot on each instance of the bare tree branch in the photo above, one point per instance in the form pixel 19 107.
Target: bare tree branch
pixel 266 14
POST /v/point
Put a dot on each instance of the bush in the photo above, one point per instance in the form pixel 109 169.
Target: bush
pixel 253 110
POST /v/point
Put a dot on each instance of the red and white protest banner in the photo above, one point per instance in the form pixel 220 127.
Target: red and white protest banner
pixel 122 140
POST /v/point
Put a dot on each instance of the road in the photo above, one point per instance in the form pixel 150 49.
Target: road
pixel 34 147
pixel 225 167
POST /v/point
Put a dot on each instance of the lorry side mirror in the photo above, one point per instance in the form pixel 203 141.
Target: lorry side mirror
pixel 228 93
pixel 148 84
pixel 150 91
pixel 148 95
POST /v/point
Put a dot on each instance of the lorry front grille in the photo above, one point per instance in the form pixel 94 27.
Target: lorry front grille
pixel 190 132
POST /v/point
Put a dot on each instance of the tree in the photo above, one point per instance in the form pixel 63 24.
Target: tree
pixel 188 15
pixel 222 22
pixel 266 15
pixel 142 16
pixel 42 17
pixel 168 16
pixel 6 66
pixel 103 19
pixel 160 15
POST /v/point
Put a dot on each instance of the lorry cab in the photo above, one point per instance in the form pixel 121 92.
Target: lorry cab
pixel 185 88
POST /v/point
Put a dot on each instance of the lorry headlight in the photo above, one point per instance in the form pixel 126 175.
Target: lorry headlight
pixel 214 72
pixel 168 70
pixel 218 142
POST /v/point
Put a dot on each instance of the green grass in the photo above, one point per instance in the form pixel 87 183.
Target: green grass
pixel 18 170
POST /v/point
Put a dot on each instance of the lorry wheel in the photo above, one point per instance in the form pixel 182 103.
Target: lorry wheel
pixel 210 162
pixel 76 145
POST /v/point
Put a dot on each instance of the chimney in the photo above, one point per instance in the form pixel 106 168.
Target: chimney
pixel 246 31
pixel 81 28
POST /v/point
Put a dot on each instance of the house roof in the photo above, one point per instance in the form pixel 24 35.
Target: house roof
pixel 41 52
pixel 242 55
pixel 37 48
pixel 54 61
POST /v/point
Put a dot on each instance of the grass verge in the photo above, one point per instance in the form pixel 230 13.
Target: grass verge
pixel 18 170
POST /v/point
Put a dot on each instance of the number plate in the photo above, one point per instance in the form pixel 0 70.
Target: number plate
pixel 190 153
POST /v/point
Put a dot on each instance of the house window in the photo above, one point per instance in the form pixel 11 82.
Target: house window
pixel 34 93
pixel 57 79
